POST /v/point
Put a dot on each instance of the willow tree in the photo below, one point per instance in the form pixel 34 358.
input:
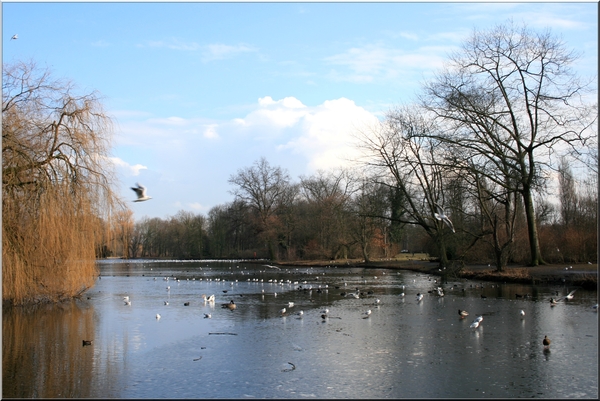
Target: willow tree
pixel 56 185
pixel 509 95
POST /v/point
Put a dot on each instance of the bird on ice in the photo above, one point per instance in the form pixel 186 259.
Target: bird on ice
pixel 553 302
pixel 282 311
pixel 546 342
pixel 419 297
pixel 522 312
pixel 441 215
pixel 367 314
pixel 140 191
pixel 157 316
pixel 15 36
pixel 463 313
pixel 207 315
pixel 475 324
pixel 208 299
pixel 570 295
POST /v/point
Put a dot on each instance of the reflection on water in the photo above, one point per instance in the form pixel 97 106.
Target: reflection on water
pixel 404 349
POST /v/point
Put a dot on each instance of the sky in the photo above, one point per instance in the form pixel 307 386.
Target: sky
pixel 198 91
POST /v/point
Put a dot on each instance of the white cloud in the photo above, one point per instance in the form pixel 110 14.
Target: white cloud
pixel 133 170
pixel 220 51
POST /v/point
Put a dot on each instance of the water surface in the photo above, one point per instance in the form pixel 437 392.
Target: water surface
pixel 403 349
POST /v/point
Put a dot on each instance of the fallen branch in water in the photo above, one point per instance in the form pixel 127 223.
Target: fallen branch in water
pixel 231 334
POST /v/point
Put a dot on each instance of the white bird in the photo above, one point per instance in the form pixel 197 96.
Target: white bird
pixel 570 295
pixel 325 311
pixel 126 298
pixel 208 299
pixel 475 324
pixel 595 308
pixel 282 311
pixel 157 316
pixel 300 313
pixel 140 191
pixel 290 304
pixel 166 302
pixel 479 319
pixel 377 301
pixel 419 297
pixel 207 315
pixel 522 312
pixel 15 36
pixel 402 294
pixel 128 303
pixel 168 288
pixel 368 312
pixel 440 215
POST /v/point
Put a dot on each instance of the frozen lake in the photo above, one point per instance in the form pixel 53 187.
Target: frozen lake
pixel 403 349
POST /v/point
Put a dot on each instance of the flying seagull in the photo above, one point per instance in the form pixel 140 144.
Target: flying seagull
pixel 140 191
pixel 440 215
pixel 15 36
pixel 570 295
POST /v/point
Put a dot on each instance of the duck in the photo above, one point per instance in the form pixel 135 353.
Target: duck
pixel 546 341
pixel 87 342
pixel 186 304
pixel 463 313
pixel 231 305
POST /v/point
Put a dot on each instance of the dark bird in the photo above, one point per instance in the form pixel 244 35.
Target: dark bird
pixel 225 291
pixel 483 296
pixel 231 305
pixel 546 341
pixel 186 304
pixel 87 342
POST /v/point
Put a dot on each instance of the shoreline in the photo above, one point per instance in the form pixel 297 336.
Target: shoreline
pixel 582 275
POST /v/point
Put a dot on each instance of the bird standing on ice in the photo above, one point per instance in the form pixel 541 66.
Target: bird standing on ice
pixel 463 313
pixel 440 215
pixel 546 342
pixel 140 191
pixel 419 297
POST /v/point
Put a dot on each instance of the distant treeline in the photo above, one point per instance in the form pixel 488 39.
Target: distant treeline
pixel 337 215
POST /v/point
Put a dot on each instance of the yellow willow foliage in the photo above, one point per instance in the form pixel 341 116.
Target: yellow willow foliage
pixel 49 254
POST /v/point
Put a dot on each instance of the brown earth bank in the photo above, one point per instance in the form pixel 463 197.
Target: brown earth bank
pixel 582 275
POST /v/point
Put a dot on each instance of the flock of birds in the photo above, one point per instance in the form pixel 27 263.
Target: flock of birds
pixel 287 309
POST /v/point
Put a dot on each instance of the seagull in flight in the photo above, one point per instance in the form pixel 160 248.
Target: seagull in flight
pixel 570 295
pixel 140 191
pixel 441 215
pixel 15 36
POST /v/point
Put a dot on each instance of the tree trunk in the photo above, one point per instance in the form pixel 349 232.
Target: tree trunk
pixel 534 245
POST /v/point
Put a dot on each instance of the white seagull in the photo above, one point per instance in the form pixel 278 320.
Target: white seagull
pixel 140 191
pixel 367 313
pixel 126 298
pixel 128 303
pixel 419 297
pixel 440 215
pixel 207 315
pixel 475 324
pixel 15 36
pixel 157 316
pixel 208 299
pixel 522 312
pixel 570 295
pixel 282 311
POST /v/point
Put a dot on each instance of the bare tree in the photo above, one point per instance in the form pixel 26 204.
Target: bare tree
pixel 262 187
pixel 405 149
pixel 510 96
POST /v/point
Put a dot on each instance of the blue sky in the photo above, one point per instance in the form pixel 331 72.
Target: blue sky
pixel 200 90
